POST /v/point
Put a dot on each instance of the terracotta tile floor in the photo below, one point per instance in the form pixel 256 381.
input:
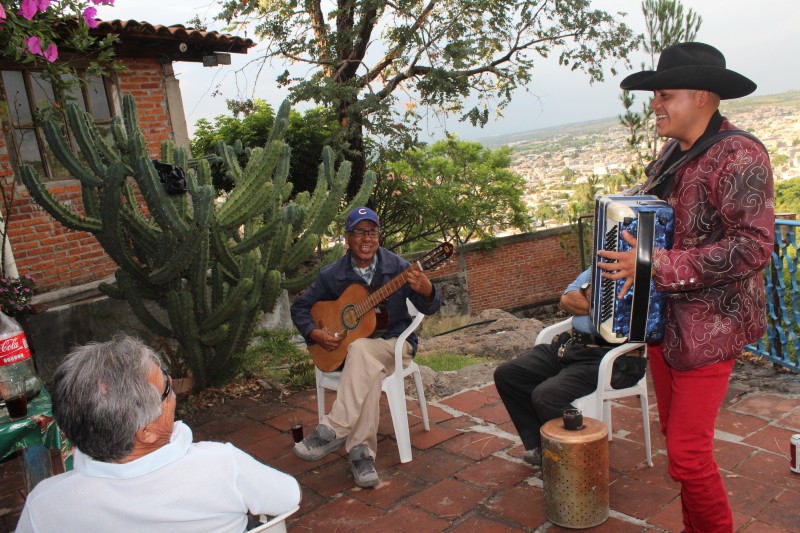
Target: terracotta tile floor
pixel 467 474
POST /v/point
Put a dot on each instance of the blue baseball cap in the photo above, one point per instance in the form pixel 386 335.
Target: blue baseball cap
pixel 358 214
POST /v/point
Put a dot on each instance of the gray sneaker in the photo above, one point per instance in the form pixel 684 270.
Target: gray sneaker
pixel 533 457
pixel 319 444
pixel 363 467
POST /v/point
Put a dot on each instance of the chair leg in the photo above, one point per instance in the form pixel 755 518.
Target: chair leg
pixel 423 407
pixel 320 403
pixel 646 427
pixel 607 417
pixel 397 407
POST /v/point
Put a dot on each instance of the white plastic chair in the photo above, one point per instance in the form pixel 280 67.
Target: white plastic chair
pixel 393 386
pixel 597 405
pixel 274 525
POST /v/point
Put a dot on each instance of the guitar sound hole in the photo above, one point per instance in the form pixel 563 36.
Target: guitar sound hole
pixel 350 317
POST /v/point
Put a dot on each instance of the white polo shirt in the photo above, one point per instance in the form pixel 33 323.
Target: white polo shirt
pixel 181 487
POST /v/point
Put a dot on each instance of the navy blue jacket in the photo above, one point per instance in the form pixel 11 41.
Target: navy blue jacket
pixel 336 277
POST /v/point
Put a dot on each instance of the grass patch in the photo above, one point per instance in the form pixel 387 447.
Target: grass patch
pixel 272 353
pixel 448 361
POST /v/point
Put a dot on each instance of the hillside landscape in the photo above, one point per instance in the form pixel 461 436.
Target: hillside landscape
pixel 553 161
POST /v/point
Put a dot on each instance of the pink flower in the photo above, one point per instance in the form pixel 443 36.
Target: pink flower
pixel 34 44
pixel 2 13
pixel 51 54
pixel 28 8
pixel 88 16
pixel 43 5
pixel 103 2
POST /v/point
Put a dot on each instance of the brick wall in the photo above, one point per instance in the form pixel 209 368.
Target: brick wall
pixel 521 271
pixel 56 256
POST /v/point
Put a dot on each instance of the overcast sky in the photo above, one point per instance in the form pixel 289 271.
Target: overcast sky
pixel 759 39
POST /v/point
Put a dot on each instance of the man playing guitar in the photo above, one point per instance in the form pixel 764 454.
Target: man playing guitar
pixel 354 415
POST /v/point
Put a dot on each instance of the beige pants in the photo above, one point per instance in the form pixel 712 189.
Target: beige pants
pixel 355 413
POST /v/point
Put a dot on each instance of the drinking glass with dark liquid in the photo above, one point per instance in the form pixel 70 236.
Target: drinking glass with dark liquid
pixel 13 392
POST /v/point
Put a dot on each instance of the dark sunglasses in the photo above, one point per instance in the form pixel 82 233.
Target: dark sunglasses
pixel 167 385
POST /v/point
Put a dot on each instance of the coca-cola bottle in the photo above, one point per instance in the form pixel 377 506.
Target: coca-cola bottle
pixel 15 355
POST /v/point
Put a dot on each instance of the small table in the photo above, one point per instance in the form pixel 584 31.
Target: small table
pixel 35 435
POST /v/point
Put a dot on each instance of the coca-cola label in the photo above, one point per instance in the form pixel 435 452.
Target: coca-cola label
pixel 14 349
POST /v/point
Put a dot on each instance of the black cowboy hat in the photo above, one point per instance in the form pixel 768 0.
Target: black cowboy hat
pixel 691 66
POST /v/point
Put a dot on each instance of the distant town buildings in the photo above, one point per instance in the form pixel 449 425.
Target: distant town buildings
pixel 554 165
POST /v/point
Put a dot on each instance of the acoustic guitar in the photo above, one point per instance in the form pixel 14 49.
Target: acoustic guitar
pixel 352 315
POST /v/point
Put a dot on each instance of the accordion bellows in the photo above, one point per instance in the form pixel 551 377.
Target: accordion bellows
pixel 638 316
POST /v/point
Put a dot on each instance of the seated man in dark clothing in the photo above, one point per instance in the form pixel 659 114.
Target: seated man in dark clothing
pixel 538 385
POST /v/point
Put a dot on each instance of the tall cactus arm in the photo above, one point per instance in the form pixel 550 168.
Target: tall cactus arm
pixel 110 238
pixel 198 278
pixel 254 298
pixel 187 247
pixel 159 203
pixel 278 245
pixel 130 116
pixel 59 211
pixel 91 202
pixel 304 280
pixel 203 172
pixel 256 239
pixel 167 152
pixel 119 134
pixel 241 331
pixel 82 131
pixel 300 250
pixel 364 192
pixel 110 290
pixel 179 305
pixel 145 235
pixel 281 122
pixel 133 296
pixel 215 336
pixel 249 198
pixel 108 148
pixel 232 215
pixel 223 312
pixel 230 162
pixel 272 289
pixel 330 206
pixel 62 151
pixel 219 247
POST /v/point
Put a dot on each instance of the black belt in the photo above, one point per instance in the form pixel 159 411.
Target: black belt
pixel 589 340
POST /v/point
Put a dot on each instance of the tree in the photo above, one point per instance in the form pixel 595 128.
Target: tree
pixel 452 190
pixel 361 55
pixel 207 266
pixel 787 196
pixel 249 126
pixel 667 24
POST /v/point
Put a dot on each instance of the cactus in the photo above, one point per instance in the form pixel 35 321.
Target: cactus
pixel 214 265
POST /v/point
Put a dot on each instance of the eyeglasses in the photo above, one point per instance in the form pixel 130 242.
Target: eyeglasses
pixel 167 385
pixel 361 233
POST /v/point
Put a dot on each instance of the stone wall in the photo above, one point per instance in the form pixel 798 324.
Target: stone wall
pixel 517 272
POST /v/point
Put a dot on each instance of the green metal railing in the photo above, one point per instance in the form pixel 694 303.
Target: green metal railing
pixel 783 312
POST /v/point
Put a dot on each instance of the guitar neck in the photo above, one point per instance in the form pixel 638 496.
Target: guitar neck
pixel 386 290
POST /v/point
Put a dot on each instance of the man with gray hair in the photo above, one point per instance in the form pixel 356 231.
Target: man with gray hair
pixel 136 469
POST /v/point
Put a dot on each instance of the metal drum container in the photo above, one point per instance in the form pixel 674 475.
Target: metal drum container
pixel 575 471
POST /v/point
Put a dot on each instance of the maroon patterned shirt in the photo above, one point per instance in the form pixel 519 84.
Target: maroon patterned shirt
pixel 724 226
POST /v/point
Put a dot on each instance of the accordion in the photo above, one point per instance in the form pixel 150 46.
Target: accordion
pixel 640 314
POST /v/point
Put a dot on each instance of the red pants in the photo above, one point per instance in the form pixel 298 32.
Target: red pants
pixel 688 403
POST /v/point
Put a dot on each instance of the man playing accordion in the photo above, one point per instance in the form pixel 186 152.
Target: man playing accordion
pixel 720 187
